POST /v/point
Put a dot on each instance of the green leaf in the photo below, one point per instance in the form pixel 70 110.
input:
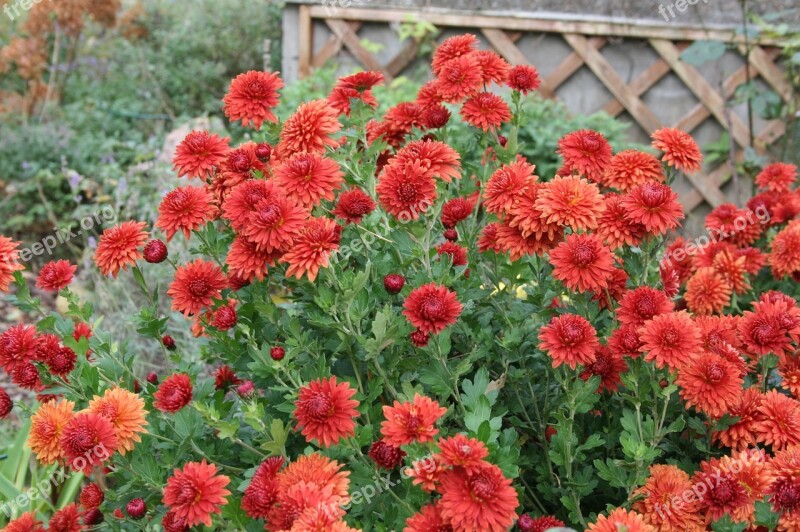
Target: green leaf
pixel 701 52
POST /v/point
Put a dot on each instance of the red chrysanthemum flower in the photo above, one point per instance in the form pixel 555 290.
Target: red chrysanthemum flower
pixel 457 254
pixel 618 520
pixel 196 286
pixel 754 260
pixel 744 432
pixel 784 256
pixel 309 178
pixel 506 185
pixel 488 239
pixel 666 484
pixel 784 489
pixel 569 339
pixel 733 270
pixel 6 404
pixel 126 412
pixel 707 292
pixel 433 158
pixel 615 228
pixel 9 262
pixel 27 522
pixel 67 519
pixel 428 95
pixel 670 339
pixel 461 451
pixel 309 129
pixel 733 224
pixel 244 199
pixel 586 152
pixel 262 493
pixel 710 383
pixel 386 456
pixel 428 518
pixel 225 377
pixel 432 308
pixel 406 191
pixel 451 48
pixel 352 205
pixel 119 246
pixel 251 98
pixel 679 148
pixel 18 345
pixel 88 439
pixel 631 168
pixel 582 262
pixel 524 78
pixel 61 362
pixel 404 116
pixel 609 366
pixel 570 201
pixel 414 421
pixel 435 116
pixel 779 420
pixel 493 67
pixel 528 218
pixel 325 411
pixel 355 87
pixel 312 248
pixel 725 494
pixel 246 261
pixel 653 205
pixel 196 492
pixel 199 153
pixel 777 177
pixel 174 393
pixel 275 223
pixel 482 499
pixel 457 210
pixel 789 372
pixel 625 341
pixel 185 209
pixel 460 78
pixel 426 472
pixel 486 111
pixel 55 275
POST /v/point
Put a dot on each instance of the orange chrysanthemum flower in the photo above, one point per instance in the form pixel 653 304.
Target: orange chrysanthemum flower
pixel 707 292
pixel 244 198
pixel 451 48
pixel 615 228
pixel 199 153
pixel 88 440
pixel 779 420
pixel 196 492
pixel 724 493
pixel 427 519
pixel 784 490
pixel 431 308
pixel 460 78
pixel 631 168
pixel 733 270
pixel 679 148
pixel 252 96
pixel 570 201
pixel 434 158
pixel 506 185
pixel 743 433
pixel 586 153
pixel 655 206
pixel 185 209
pixel 482 499
pixel 670 339
pixel 486 111
pixel 777 177
pixel 461 451
pixel 583 263
pixel 27 522
pixel 196 286
pixel 309 129
pixel 9 262
pixel 426 472
pixel 312 248
pixel 247 262
pixel 325 411
pixel 126 412
pixel 569 339
pixel 510 239
pixel 275 222
pixel 119 247
pixel 710 383
pixel 665 484
pixel 789 371
pixel 410 422
pixel 784 257
pixel 526 216
pixel 621 519
pixel 309 178
pixel 46 426
pixel 406 191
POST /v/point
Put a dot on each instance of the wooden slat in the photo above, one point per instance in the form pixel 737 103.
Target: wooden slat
pixel 764 62
pixel 640 85
pixel 571 64
pixel 526 22
pixel 698 114
pixel 402 59
pixel 702 90
pixel 505 46
pixel 331 47
pixel 306 37
pixel 351 41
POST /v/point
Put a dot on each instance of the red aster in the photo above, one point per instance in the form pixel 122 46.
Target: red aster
pixel 325 411
pixel 185 209
pixel 432 308
pixel 631 168
pixel 457 210
pixel 457 254
pixel 410 422
pixel 429 518
pixel 67 519
pixel 195 286
pixel 309 178
pixel 406 191
pixel 707 292
pixel 262 493
pixel 309 129
pixel 586 152
pixel 88 439
pixel 312 248
pixel 570 201
pixel 434 158
pixel 583 263
pixel 119 246
pixel 174 393
pixel 670 339
pixel 459 79
pixel 479 500
pixel 386 456
pixel 777 177
pixel 246 262
pixel 506 185
pixel 653 205
pixel 196 492
pixel 199 153
pixel 18 345
pixel 679 148
pixel 569 339
pixel 524 78
pixel 486 111
pixel 55 275
pixel 451 48
pixel 9 262
pixel 275 223
pixel 27 522
pixel 615 228
pixel 609 365
pixel 710 383
pixel 251 98
pixel 352 205
pixel 461 451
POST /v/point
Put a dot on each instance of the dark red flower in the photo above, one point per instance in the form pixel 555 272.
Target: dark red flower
pixel 524 78
pixel 6 404
pixel 55 275
pixel 277 353
pixel 136 508
pixel 394 282
pixel 174 393
pixel 155 251
pixel 386 456
pixel 91 496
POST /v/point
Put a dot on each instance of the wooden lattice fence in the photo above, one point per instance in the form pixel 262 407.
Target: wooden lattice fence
pixel 327 32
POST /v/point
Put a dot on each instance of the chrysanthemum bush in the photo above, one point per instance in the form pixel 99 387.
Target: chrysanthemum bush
pixel 399 328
